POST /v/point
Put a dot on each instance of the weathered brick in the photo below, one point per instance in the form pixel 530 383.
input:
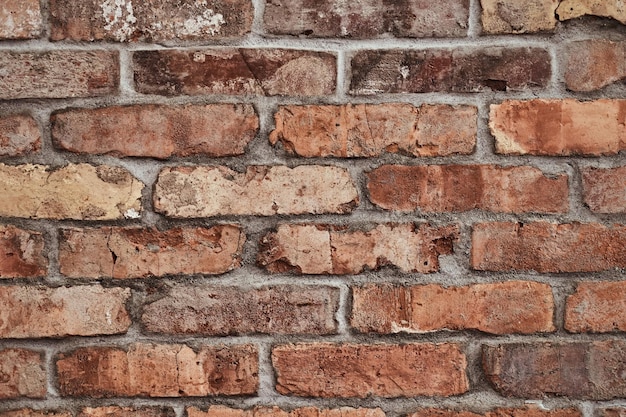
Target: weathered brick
pixel 150 20
pixel 21 253
pixel 23 374
pixel 20 19
pixel 456 70
pixel 203 191
pixel 144 252
pixel 548 247
pixel 513 16
pixel 367 18
pixel 577 370
pixel 37 191
pixel 499 308
pixel 559 127
pixel 265 72
pixel 499 412
pixel 604 190
pixel 27 412
pixel 30 312
pixel 611 412
pixel 150 370
pixel 58 74
pixel 442 188
pixel 222 311
pixel 157 131
pixel 114 411
pixel 597 307
pixel 326 249
pixel 19 135
pixel 571 9
pixel 594 64
pixel 222 411
pixel 348 370
pixel 365 130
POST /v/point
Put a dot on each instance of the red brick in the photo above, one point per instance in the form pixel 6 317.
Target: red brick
pixel 222 311
pixel 21 253
pixel 559 127
pixel 150 20
pixel 571 9
pixel 499 308
pixel 597 307
pixel 594 64
pixel 513 16
pixel 20 19
pixel 205 191
pixel 372 129
pixel 261 72
pixel 611 412
pixel 27 412
pixel 19 135
pixel 222 411
pixel 150 370
pixel 458 70
pixel 367 18
pixel 442 188
pixel 499 412
pixel 23 374
pixel 114 411
pixel 58 74
pixel 548 247
pixel 326 249
pixel 604 190
pixel 143 252
pixel 157 131
pixel 576 370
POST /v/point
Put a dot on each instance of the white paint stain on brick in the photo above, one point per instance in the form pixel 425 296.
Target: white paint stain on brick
pixel 119 18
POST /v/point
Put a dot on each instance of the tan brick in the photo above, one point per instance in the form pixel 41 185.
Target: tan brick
pixel 499 308
pixel 76 191
pixel 263 72
pixel 325 249
pixel 597 307
pixel 144 252
pixel 262 190
pixel 20 19
pixel 157 131
pixel 114 411
pixel 372 129
pixel 23 374
pixel 21 253
pixel 58 74
pixel 31 312
pixel 442 188
pixel 559 127
pixel 513 16
pixel 348 370
pixel 27 412
pixel 594 64
pixel 222 411
pixel 604 190
pixel 150 20
pixel 499 412
pixel 221 311
pixel 150 370
pixel 19 135
pixel 548 247
pixel 571 9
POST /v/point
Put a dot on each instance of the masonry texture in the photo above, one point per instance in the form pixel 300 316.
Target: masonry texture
pixel 298 208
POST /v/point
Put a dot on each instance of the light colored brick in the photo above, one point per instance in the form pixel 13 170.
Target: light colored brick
pixel 20 19
pixel 571 9
pixel 514 16
pixel 23 374
pixel 597 307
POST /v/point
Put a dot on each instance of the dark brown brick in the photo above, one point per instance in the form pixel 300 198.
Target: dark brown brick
pixel 21 253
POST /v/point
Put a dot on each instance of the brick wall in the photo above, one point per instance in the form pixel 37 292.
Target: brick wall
pixel 295 208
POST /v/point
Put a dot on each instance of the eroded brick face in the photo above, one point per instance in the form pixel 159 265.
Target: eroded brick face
pixel 222 411
pixel 605 189
pixel 596 307
pixel 19 135
pixel 23 374
pixel 594 64
pixel 21 253
pixel 20 19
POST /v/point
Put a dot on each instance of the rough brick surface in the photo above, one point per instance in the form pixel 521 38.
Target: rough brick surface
pixel 222 411
pixel 325 249
pixel 36 191
pixel 604 190
pixel 58 74
pixel 23 374
pixel 157 131
pixel 441 188
pixel 261 190
pixel 499 412
pixel 20 19
pixel 139 253
pixel 576 370
pixel 21 253
pixel 175 371
pixel 114 411
pixel 513 16
pixel 221 311
pixel 266 72
pixel 499 308
pixel 19 135
pixel 367 18
pixel 559 127
pixel 27 412
pixel 548 247
pixel 30 312
pixel 571 9
pixel 150 20
pixel 594 64
pixel 348 370
pixel 366 130
pixel 597 307
pixel 611 412
pixel 459 70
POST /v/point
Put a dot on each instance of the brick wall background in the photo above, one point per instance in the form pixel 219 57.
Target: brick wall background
pixel 295 208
